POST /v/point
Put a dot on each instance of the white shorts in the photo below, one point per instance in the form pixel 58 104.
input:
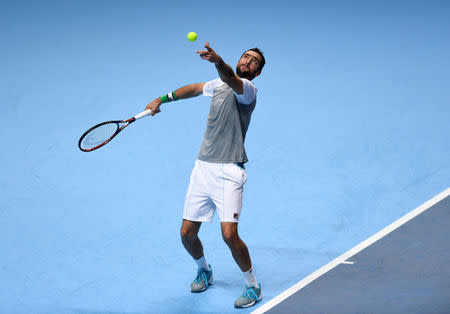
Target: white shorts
pixel 215 186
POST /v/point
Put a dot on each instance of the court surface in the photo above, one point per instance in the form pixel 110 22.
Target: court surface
pixel 350 133
pixel 402 269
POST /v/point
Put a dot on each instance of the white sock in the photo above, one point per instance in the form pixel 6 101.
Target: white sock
pixel 250 278
pixel 201 262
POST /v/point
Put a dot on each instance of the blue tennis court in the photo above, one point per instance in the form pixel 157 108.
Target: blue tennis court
pixel 401 269
pixel 350 133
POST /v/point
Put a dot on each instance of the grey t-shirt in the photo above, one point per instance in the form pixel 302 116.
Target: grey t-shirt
pixel 228 121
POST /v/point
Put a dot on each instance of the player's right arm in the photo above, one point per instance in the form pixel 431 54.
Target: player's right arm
pixel 187 91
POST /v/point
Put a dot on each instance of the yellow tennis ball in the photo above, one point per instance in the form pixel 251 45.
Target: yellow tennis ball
pixel 192 36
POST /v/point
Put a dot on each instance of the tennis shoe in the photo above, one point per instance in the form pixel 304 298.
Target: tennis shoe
pixel 249 297
pixel 203 280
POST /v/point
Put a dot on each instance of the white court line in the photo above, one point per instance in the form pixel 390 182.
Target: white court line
pixel 343 258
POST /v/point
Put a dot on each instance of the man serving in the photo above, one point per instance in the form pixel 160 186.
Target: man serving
pixel 218 177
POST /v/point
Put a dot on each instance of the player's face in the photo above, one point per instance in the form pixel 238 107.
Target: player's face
pixel 248 65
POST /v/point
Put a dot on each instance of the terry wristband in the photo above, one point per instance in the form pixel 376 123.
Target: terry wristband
pixel 172 96
pixel 164 99
pixel 168 98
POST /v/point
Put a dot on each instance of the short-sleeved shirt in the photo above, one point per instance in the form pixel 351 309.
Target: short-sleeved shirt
pixel 246 98
pixel 228 121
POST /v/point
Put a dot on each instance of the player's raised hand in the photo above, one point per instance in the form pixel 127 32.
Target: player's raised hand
pixel 209 54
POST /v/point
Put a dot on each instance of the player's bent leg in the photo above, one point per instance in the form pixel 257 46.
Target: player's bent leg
pixel 252 290
pixel 189 238
pixel 238 248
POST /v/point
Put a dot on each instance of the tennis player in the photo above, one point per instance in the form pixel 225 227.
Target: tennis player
pixel 218 177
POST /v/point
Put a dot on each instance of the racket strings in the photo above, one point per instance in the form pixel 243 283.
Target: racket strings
pixel 99 135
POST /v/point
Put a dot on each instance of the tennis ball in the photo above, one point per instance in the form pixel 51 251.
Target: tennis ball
pixel 192 36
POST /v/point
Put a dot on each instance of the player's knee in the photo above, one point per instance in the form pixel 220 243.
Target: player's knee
pixel 230 237
pixel 187 235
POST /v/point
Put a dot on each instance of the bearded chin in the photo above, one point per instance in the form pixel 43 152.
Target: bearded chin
pixel 247 75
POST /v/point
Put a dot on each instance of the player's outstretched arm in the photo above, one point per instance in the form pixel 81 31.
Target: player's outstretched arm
pixel 188 91
pixel 226 73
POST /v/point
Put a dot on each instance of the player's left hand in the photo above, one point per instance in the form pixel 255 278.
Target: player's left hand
pixel 209 54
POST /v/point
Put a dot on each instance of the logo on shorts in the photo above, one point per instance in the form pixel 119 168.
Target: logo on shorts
pixel 236 215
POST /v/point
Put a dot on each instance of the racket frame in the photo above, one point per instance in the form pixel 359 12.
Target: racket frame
pixel 119 128
pixel 126 123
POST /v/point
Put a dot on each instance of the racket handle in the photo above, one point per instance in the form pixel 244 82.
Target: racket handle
pixel 143 114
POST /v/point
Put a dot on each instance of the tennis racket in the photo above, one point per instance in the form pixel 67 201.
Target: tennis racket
pixel 102 133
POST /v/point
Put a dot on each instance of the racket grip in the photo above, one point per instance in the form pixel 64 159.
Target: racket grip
pixel 143 114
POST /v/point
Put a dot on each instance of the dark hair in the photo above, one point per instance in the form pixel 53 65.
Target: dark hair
pixel 263 60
